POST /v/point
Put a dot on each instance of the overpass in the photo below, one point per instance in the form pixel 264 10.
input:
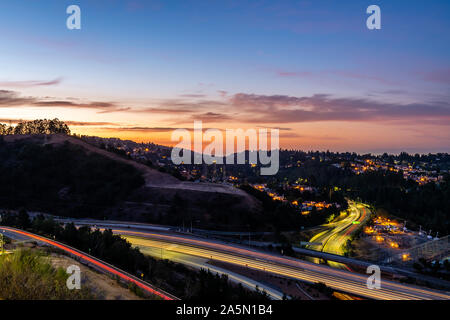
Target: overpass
pixel 364 264
pixel 215 249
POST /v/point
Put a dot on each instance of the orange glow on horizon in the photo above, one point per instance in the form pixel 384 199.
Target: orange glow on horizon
pixel 338 136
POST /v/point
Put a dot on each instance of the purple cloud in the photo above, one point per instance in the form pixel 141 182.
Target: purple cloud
pixel 30 83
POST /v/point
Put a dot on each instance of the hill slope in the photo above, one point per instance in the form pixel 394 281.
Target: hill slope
pixel 66 176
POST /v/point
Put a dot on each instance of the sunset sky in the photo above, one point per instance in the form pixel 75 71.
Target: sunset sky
pixel 139 69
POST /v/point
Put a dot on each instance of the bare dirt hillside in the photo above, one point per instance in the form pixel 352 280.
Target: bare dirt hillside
pixel 104 287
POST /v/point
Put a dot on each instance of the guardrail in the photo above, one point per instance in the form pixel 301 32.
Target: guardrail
pixel 364 264
pixel 103 266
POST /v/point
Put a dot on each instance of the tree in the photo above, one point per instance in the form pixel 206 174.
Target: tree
pixel 4 129
pixel 42 126
pixel 23 219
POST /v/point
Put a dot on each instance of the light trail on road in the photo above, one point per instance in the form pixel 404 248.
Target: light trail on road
pixel 288 267
pixel 334 239
pixel 98 263
pixel 202 263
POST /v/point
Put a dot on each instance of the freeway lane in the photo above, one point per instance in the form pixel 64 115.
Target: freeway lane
pixel 203 263
pixel 105 267
pixel 298 269
pixel 334 239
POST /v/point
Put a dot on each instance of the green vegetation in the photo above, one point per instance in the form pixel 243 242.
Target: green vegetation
pixel 62 179
pixel 66 180
pixel 427 205
pixel 212 211
pixel 281 216
pixel 434 268
pixel 26 275
pixel 174 278
pixel 42 126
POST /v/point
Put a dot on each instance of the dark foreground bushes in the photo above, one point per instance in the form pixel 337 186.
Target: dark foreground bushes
pixel 26 275
pixel 172 277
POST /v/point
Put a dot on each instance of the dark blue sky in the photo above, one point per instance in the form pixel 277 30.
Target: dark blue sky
pixel 176 56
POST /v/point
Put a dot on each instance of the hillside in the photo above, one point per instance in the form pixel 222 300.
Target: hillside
pixel 29 275
pixel 37 273
pixel 63 175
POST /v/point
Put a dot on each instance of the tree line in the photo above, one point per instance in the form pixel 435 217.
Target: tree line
pixel 41 126
pixel 175 278
pixel 427 205
pixel 62 179
pixel 279 216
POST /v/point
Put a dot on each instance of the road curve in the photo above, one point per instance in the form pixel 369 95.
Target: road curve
pixel 334 239
pixel 203 263
pixel 289 267
pixel 99 264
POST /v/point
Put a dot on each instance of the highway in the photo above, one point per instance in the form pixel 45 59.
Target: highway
pixel 21 235
pixel 334 238
pixel 341 280
pixel 206 248
pixel 203 263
